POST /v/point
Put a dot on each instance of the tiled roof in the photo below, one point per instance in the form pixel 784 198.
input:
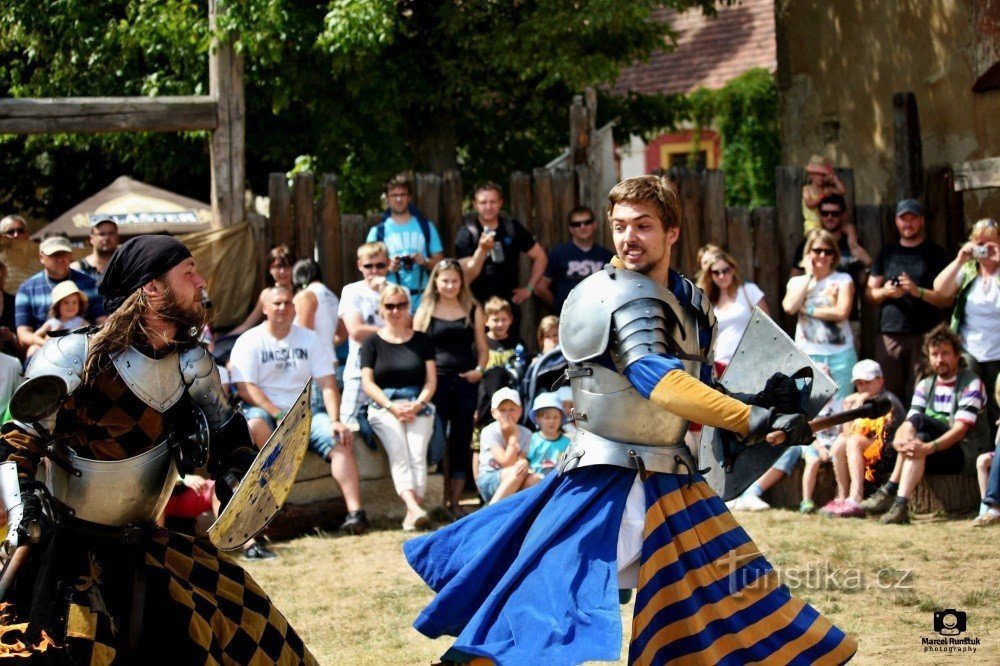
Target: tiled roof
pixel 710 50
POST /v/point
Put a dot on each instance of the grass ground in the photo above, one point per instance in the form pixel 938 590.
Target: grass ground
pixel 353 599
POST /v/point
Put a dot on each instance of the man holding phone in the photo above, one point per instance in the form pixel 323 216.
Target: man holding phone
pixel 902 282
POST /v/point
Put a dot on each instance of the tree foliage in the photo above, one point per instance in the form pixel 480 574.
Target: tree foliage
pixel 364 87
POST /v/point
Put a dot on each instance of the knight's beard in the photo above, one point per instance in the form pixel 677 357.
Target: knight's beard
pixel 189 319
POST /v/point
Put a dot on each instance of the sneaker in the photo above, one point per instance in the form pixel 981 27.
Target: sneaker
pixel 258 552
pixel 419 523
pixel 879 502
pixel 991 517
pixel 831 507
pixel 807 506
pixel 848 509
pixel 356 522
pixel 898 514
pixel 750 503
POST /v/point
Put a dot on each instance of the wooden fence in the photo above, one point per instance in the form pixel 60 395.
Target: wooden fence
pixel 307 217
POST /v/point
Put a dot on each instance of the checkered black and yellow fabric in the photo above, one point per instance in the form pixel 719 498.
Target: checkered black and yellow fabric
pixel 707 595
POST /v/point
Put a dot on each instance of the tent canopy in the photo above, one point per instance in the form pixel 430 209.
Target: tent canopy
pixel 137 208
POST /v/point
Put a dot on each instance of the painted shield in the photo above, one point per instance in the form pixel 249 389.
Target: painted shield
pixel 267 483
pixel 764 350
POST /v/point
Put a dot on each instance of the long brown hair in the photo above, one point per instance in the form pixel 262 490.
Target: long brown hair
pixel 707 284
pixel 430 298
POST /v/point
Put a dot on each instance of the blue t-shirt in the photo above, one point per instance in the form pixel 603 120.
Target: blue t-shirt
pixel 406 240
pixel 569 265
pixel 34 298
pixel 542 451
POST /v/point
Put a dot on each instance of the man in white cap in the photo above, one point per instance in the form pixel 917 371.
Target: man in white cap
pixel 34 296
pixel 847 453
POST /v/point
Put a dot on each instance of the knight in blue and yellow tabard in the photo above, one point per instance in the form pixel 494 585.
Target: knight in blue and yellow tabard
pixel 535 578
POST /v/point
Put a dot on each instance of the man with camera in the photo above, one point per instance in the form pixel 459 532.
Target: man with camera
pixel 413 241
pixel 902 282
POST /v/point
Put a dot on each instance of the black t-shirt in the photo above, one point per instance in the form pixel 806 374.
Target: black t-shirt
pixel 496 279
pixel 397 365
pixel 845 254
pixel 569 265
pixel 454 344
pixel 922 263
pixel 7 318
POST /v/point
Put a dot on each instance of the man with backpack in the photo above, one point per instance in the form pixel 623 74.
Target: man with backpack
pixel 413 240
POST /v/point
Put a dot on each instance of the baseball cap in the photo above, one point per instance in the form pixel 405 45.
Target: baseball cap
pixel 54 244
pixel 505 394
pixel 866 370
pixel 909 206
pixel 545 401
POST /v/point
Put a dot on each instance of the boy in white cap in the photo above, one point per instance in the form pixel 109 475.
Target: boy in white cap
pixel 503 450
pixel 847 453
pixel 549 442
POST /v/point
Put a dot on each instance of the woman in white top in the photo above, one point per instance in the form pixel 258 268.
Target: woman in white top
pixel 733 301
pixel 316 306
pixel 973 277
pixel 822 299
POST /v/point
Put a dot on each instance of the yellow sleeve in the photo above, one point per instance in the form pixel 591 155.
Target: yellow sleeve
pixel 681 394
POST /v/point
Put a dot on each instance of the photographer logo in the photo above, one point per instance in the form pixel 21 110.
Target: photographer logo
pixel 950 624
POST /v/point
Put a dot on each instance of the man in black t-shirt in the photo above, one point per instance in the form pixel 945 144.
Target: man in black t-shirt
pixel 571 262
pixel 490 247
pixel 902 281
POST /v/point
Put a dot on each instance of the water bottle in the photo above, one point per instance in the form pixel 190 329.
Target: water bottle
pixel 496 254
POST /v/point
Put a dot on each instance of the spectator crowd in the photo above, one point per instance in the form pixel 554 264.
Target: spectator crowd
pixel 422 354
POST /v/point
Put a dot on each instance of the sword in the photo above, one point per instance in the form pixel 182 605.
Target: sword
pixel 872 408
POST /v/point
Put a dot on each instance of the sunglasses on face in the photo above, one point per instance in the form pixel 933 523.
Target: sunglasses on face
pixel 392 307
pixel 722 271
pixel 581 223
pixel 376 266
pixel 826 252
pixel 18 231
pixel 829 213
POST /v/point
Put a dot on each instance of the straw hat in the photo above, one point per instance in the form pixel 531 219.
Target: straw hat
pixel 819 164
pixel 67 288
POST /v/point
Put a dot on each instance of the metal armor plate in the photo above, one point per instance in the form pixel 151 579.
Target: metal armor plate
pixel 764 350
pixel 53 373
pixel 267 483
pixel 155 381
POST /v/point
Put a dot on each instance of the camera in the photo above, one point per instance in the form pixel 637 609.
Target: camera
pixel 894 281
pixel 949 621
pixel 980 252
pixel 406 261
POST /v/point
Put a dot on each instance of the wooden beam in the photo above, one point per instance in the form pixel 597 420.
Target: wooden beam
pixel 977 174
pixel 91 115
pixel 225 80
pixel 908 158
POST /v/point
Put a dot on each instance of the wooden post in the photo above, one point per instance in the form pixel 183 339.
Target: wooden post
pixel 579 130
pixel 427 195
pixel 692 212
pixel 564 195
pixel 520 198
pixel 282 231
pixel 868 219
pixel 739 240
pixel 763 222
pixel 304 194
pixel 544 207
pixel 943 211
pixel 908 159
pixel 846 177
pixel 225 82
pixel 354 231
pixel 328 233
pixel 788 234
pixel 713 229
pixel 451 209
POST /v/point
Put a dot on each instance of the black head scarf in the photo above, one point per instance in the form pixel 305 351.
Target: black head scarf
pixel 136 262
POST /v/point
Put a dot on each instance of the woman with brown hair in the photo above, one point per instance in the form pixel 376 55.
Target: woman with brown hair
pixel 457 327
pixel 279 274
pixel 733 301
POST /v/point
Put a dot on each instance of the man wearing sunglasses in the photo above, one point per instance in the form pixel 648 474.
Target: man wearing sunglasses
pixel 14 226
pixel 832 212
pixel 571 262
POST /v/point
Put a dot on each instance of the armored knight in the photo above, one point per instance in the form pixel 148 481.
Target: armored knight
pixel 101 421
pixel 536 576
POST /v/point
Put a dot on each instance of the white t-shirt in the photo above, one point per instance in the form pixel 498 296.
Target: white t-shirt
pixel 733 320
pixel 326 317
pixel 815 336
pixel 10 379
pixel 358 297
pixel 280 368
pixel 981 326
pixel 492 436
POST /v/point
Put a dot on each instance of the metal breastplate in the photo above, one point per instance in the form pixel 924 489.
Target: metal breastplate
pixel 155 381
pixel 115 493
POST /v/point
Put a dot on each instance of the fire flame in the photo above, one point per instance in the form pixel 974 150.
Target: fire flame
pixel 12 636
pixel 875 430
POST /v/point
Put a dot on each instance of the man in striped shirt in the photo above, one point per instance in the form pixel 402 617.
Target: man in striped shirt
pixel 944 410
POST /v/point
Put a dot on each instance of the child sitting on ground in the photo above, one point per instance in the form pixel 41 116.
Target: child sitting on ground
pixel 549 442
pixel 503 448
pixel 64 315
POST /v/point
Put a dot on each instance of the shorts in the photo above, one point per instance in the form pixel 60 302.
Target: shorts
pixel 488 482
pixel 190 504
pixel 321 439
pixel 840 364
pixel 792 455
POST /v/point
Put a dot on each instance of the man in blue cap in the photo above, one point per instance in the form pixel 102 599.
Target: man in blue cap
pixel 902 282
